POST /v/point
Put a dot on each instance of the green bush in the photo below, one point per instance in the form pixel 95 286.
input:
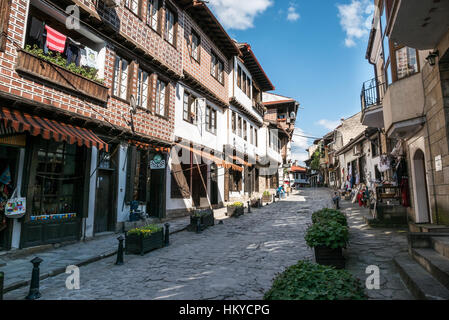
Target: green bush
pixel 309 281
pixel 329 214
pixel 89 73
pixel 327 233
pixel 146 231
pixel 199 214
pixel 236 204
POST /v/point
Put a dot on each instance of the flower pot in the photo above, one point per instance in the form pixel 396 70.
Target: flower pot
pixel 235 212
pixel 266 198
pixel 138 244
pixel 205 221
pixel 2 276
pixel 330 257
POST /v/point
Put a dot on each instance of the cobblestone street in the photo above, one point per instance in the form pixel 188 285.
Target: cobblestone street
pixel 234 260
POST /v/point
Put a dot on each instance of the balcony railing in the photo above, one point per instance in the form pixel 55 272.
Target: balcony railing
pixel 372 93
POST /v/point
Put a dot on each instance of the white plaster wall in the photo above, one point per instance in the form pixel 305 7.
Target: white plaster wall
pixel 89 221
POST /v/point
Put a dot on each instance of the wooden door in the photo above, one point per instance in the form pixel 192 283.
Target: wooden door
pixel 104 200
pixel 157 193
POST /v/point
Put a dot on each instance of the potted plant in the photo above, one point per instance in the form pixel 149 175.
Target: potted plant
pixel 266 196
pixel 2 276
pixel 328 238
pixel 145 239
pixel 204 217
pixel 329 214
pixel 235 210
pixel 310 281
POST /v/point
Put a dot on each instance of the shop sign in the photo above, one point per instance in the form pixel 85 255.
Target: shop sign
pixel 438 163
pixel 158 162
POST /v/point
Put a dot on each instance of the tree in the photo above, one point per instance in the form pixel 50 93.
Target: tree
pixel 315 164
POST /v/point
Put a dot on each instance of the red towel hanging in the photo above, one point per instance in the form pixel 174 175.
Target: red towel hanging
pixel 55 40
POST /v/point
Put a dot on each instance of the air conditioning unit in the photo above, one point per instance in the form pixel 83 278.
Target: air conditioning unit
pixel 357 150
pixel 112 3
pixel 289 120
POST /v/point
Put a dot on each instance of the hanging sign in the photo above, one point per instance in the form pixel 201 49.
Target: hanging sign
pixel 438 163
pixel 158 162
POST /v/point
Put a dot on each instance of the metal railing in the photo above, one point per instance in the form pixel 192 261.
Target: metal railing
pixel 373 92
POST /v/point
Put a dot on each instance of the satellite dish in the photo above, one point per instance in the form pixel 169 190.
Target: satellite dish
pixel 133 104
pixel 293 115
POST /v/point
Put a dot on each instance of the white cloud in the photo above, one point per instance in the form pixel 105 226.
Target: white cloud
pixel 299 146
pixel 355 19
pixel 239 14
pixel 329 124
pixel 292 14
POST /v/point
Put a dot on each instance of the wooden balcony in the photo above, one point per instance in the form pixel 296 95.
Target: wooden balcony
pixel 34 66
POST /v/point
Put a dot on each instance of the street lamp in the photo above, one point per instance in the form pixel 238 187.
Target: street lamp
pixel 431 58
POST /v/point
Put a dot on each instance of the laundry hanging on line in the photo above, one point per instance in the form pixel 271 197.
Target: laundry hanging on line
pixel 55 40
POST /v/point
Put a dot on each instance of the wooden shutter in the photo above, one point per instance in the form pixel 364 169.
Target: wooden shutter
pixel 130 88
pixel 143 176
pixel 180 187
pixel 226 185
pixel 5 6
pixel 167 99
pixel 130 172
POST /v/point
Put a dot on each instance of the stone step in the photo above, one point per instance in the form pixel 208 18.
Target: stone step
pixel 428 228
pixel 441 245
pixel 433 262
pixel 420 283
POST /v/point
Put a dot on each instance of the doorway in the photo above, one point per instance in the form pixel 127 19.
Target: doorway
pixel 8 180
pixel 214 184
pixel 422 198
pixel 104 208
pixel 157 194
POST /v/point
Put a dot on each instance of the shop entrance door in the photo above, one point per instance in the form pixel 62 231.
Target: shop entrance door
pixel 214 184
pixel 8 175
pixel 157 194
pixel 104 201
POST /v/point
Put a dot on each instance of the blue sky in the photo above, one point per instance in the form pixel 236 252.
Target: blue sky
pixel 313 51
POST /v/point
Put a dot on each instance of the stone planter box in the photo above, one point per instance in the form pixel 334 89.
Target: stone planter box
pixel 256 203
pixel 2 277
pixel 206 220
pixel 267 198
pixel 48 71
pixel 330 257
pixel 234 211
pixel 138 244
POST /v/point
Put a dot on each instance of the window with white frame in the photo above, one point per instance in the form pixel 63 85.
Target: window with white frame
pixel 153 14
pixel 161 91
pixel 143 79
pixel 195 46
pixel 211 119
pixel 120 78
pixel 216 68
pixel 239 126
pixel 170 26
pixel 133 5
pixel 190 113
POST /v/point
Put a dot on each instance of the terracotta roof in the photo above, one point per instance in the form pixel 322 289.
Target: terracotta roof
pixel 298 169
pixel 255 68
pixel 209 24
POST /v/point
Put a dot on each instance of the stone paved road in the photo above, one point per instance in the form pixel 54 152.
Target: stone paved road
pixel 234 260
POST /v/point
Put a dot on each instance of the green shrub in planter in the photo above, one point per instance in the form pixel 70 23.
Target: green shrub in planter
pixel 329 214
pixel 309 281
pixel 145 239
pixel 327 233
pixel 328 237
pixel 235 209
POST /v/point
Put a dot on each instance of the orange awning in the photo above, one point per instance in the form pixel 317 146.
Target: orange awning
pixel 50 129
pixel 216 160
pixel 241 161
pixel 147 146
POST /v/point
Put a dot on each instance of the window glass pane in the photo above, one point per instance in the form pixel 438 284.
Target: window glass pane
pixel 169 26
pixel 220 71
pixel 406 62
pixel 117 76
pixel 186 107
pixel 212 65
pixel 124 79
pixel 153 6
pixel 160 98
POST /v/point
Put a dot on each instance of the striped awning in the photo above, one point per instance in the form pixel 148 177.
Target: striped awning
pixel 206 155
pixel 50 129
